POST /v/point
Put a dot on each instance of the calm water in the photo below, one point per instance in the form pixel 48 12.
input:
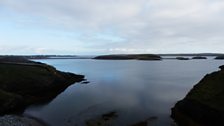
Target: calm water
pixel 136 90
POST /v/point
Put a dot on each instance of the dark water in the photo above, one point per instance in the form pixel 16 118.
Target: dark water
pixel 136 90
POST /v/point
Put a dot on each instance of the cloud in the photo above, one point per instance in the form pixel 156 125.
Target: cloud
pixel 130 25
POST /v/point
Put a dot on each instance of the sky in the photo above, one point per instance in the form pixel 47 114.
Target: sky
pixel 92 27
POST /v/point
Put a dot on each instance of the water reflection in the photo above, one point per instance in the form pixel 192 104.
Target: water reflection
pixel 135 90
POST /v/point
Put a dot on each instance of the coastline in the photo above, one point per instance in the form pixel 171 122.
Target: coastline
pixel 24 82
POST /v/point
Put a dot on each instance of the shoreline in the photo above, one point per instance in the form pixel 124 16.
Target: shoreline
pixel 24 83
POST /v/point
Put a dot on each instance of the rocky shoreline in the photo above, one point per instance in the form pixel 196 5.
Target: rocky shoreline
pixel 204 104
pixel 24 82
pixel 15 120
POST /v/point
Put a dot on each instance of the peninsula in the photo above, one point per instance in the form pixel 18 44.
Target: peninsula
pixel 24 82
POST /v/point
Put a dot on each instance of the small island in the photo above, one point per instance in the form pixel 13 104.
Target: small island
pixel 129 57
pixel 199 57
pixel 24 82
pixel 204 104
pixel 182 58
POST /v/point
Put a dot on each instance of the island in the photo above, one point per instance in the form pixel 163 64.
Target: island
pixel 199 57
pixel 24 82
pixel 192 54
pixel 182 58
pixel 204 104
pixel 129 57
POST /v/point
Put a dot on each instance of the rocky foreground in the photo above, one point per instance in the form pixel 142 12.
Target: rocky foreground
pixel 24 82
pixel 204 104
pixel 13 120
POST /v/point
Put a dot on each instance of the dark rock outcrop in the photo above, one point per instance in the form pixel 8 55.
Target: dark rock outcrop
pixel 24 82
pixel 14 120
pixel 129 57
pixel 204 104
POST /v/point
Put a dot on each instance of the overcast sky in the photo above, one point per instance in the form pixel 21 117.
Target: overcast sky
pixel 111 26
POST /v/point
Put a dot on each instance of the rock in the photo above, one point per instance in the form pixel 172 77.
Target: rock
pixel 108 119
pixel 108 116
pixel 199 57
pixel 103 120
pixel 85 82
pixel 204 104
pixel 148 122
pixel 13 120
pixel 129 57
pixel 26 82
pixel 221 67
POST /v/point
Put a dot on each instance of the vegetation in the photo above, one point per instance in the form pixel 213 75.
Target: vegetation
pixel 24 82
pixel 204 104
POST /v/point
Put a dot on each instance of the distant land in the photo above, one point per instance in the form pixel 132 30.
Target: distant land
pixel 51 56
pixel 129 57
pixel 160 56
pixel 192 54
pixel 93 56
